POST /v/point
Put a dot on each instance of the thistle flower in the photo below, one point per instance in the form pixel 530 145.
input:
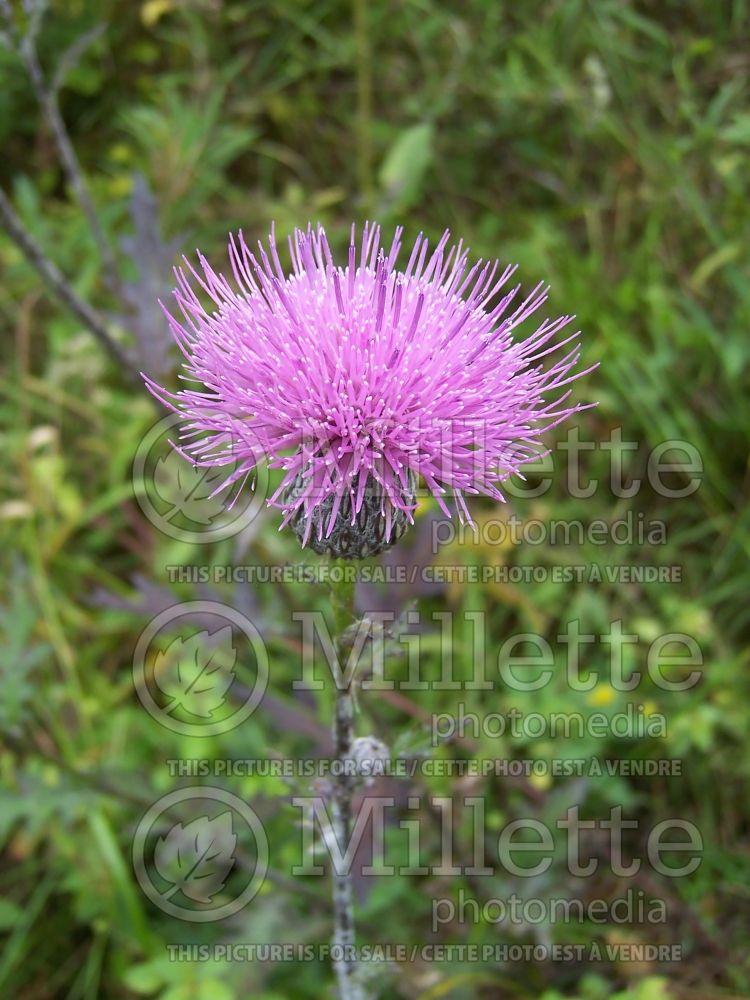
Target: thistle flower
pixel 357 381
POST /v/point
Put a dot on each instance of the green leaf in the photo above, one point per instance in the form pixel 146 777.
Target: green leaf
pixel 145 978
pixel 10 914
pixel 406 163
pixel 213 988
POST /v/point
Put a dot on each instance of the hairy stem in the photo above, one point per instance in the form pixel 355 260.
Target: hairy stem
pixel 342 599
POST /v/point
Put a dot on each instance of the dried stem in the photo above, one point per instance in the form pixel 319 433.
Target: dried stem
pixel 342 599
pixel 24 44
pixel 55 281
pixel 46 95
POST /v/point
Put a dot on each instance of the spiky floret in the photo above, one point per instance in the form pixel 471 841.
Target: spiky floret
pixel 365 376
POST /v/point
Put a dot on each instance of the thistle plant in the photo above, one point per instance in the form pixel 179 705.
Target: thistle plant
pixel 360 382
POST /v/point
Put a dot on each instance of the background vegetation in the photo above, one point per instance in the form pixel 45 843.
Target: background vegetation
pixel 601 144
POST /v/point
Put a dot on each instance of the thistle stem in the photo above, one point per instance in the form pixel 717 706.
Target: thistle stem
pixel 345 964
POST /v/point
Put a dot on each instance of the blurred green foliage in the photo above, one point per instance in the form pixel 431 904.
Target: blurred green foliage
pixel 602 145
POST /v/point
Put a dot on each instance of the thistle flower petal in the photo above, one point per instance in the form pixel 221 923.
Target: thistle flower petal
pixel 357 380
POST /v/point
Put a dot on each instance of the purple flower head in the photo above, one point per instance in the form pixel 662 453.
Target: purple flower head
pixel 358 380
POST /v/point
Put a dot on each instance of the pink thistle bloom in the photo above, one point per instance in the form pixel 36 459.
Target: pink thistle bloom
pixel 358 380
